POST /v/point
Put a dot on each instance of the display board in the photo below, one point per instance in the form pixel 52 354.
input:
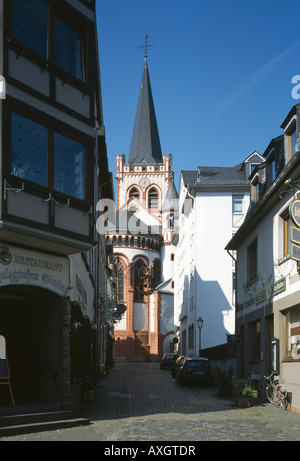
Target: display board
pixel 4 368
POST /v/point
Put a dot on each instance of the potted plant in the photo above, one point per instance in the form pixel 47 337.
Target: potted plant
pixel 224 382
pixel 243 393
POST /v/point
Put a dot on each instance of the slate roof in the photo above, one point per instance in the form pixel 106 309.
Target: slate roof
pixel 171 200
pixel 206 175
pixel 145 143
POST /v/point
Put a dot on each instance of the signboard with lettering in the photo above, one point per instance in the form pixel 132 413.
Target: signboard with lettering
pixel 295 212
pixel 279 286
pixel 260 296
pixel 25 267
pixel 233 339
pixel 295 235
pixel 295 252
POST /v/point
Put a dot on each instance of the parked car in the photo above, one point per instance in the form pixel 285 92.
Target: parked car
pixel 176 366
pixel 168 361
pixel 195 370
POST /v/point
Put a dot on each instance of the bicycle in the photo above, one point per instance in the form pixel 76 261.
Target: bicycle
pixel 275 394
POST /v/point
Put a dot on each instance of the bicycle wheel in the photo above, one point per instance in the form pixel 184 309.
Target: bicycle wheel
pixel 272 395
pixel 283 400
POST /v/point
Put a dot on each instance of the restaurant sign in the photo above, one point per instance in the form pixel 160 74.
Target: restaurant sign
pixel 19 266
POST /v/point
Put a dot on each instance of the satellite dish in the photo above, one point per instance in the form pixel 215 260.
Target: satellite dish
pixel 296 351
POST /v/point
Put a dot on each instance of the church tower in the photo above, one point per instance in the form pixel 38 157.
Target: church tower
pixel 141 238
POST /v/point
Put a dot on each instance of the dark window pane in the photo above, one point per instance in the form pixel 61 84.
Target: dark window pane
pixel 153 199
pixel 29 150
pixel 30 24
pixel 68 52
pixel 69 157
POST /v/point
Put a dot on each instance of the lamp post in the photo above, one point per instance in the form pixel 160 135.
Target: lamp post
pixel 200 325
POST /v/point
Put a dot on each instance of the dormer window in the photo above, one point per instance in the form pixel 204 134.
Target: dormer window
pixel 292 140
pixel 271 168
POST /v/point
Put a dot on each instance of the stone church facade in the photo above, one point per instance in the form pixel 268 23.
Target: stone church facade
pixel 141 238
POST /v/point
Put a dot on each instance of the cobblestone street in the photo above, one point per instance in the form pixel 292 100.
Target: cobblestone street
pixel 140 402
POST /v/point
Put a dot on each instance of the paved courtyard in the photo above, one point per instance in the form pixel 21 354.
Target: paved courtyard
pixel 139 402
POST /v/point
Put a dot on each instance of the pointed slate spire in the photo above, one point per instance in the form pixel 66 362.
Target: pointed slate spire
pixel 145 143
pixel 171 200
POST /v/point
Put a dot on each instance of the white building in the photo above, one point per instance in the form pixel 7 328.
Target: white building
pixel 213 203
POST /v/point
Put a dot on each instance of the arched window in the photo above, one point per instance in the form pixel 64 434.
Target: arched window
pixel 120 281
pixel 153 198
pixel 134 193
pixel 139 272
pixel 156 272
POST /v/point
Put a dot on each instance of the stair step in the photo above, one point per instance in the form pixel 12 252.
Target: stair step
pixel 19 429
pixel 28 418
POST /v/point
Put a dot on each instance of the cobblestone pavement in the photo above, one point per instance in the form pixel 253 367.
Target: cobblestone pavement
pixel 140 402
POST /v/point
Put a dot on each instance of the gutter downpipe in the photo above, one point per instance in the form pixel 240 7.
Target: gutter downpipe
pixel 195 291
pixel 236 303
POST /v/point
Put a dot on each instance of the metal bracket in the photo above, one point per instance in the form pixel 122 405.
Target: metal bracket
pixel 52 200
pixel 89 212
pixel 292 184
pixel 7 187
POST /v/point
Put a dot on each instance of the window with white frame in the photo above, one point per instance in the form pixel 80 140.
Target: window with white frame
pixel 237 203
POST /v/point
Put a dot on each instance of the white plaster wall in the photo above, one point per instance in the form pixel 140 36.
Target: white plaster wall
pixel 140 312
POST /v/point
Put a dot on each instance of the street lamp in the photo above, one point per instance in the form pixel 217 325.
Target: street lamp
pixel 200 325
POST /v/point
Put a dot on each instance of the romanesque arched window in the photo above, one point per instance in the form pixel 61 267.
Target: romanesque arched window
pixel 120 281
pixel 156 272
pixel 140 270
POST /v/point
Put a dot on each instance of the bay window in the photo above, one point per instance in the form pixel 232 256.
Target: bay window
pixel 68 49
pixel 33 160
pixel 30 24
pixel 29 148
pixel 57 37
pixel 69 166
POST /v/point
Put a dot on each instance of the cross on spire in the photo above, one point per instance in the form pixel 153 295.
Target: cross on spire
pixel 146 46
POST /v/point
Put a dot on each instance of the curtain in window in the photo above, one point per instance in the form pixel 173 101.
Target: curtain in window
pixel 30 24
pixel 69 158
pixel 29 142
pixel 68 49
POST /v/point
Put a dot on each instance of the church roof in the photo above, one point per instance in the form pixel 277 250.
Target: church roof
pixel 145 143
pixel 171 200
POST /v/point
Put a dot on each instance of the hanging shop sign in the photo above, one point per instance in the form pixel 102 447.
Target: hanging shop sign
pixel 279 286
pixel 232 339
pixel 295 252
pixel 19 266
pixel 295 235
pixel 295 212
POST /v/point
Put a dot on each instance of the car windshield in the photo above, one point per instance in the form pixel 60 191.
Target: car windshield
pixel 196 364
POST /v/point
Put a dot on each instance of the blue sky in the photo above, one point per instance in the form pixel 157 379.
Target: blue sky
pixel 221 74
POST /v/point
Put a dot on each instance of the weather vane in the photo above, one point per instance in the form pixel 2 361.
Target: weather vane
pixel 146 46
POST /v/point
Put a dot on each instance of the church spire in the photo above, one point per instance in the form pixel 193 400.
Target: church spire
pixel 145 143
